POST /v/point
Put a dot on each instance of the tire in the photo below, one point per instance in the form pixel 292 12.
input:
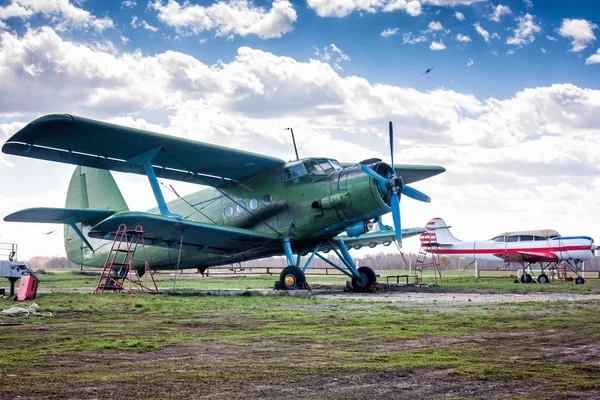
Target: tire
pixel 579 281
pixel 526 278
pixel 543 278
pixel 368 278
pixel 290 277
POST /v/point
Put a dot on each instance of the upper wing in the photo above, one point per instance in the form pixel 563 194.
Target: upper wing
pixel 168 232
pixel 532 257
pixel 412 173
pixel 372 239
pixel 81 141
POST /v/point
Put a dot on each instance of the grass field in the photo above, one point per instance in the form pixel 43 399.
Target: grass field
pixel 173 346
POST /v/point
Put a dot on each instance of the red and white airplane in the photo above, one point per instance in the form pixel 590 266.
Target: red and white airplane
pixel 525 247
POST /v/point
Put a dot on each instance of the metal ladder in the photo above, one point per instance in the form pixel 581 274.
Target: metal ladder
pixel 119 271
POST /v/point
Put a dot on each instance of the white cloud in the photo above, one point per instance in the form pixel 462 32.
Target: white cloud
pixel 124 39
pixel 227 18
pixel 593 59
pixel 470 62
pixel 543 50
pixel 463 38
pixel 580 30
pixel 65 14
pixel 436 46
pixel 128 3
pixel 435 26
pixel 525 32
pixel 485 34
pixel 528 3
pixel 343 8
pixel 409 38
pixel 552 38
pixel 337 56
pixel 149 27
pixel 459 16
pixel 389 32
pixel 499 11
pixel 134 21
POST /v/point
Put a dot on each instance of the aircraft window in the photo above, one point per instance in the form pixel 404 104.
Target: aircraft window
pixel 253 204
pixel 537 238
pixel 314 168
pixel 512 238
pixel 240 208
pixel 293 172
pixel 525 238
pixel 326 166
pixel 228 211
pixel 498 239
pixel 267 199
pixel 336 165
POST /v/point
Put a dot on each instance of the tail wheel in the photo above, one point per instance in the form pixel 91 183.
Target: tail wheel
pixel 526 278
pixel 543 278
pixel 367 278
pixel 291 277
pixel 579 280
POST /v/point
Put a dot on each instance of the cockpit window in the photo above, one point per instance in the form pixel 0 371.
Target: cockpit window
pixel 326 166
pixel 525 238
pixel 293 172
pixel 313 167
pixel 498 239
pixel 336 165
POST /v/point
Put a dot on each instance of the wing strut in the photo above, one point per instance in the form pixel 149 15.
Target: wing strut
pixel 145 159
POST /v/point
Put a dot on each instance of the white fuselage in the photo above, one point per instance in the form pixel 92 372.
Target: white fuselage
pixel 564 248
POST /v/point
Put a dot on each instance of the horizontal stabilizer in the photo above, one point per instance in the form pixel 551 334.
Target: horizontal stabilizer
pixel 58 215
pixel 167 232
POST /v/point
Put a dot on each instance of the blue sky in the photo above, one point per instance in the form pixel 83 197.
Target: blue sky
pixel 512 108
pixel 387 59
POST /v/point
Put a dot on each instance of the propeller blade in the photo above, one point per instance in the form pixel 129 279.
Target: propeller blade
pixel 415 194
pixel 395 203
pixel 392 143
pixel 373 174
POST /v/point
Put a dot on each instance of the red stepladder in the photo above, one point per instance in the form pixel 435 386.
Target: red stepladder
pixel 122 268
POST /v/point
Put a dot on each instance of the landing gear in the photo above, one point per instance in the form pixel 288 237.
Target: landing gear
pixel 291 278
pixel 579 280
pixel 526 278
pixel 543 278
pixel 366 278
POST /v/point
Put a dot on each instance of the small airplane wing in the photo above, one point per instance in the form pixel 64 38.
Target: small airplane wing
pixel 523 256
pixel 58 215
pixel 167 232
pixel 414 173
pixel 373 239
pixel 81 141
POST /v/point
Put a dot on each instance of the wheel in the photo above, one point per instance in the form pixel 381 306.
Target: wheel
pixel 579 281
pixel 543 278
pixel 367 278
pixel 290 277
pixel 526 278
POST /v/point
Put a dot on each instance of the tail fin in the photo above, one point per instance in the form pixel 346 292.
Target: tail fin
pixel 89 189
pixel 438 233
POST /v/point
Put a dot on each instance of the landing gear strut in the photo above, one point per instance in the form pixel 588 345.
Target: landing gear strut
pixel 292 277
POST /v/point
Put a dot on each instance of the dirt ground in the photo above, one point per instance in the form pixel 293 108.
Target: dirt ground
pixel 301 367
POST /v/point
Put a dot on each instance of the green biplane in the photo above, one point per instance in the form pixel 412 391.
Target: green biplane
pixel 256 206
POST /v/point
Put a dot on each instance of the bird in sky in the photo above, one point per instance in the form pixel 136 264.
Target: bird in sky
pixel 428 70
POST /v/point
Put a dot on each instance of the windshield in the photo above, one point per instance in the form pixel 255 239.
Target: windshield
pixel 321 166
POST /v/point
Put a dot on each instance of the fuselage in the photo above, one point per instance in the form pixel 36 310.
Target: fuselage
pixel 288 201
pixel 563 248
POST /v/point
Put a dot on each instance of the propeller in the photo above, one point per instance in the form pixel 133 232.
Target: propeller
pixel 395 184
